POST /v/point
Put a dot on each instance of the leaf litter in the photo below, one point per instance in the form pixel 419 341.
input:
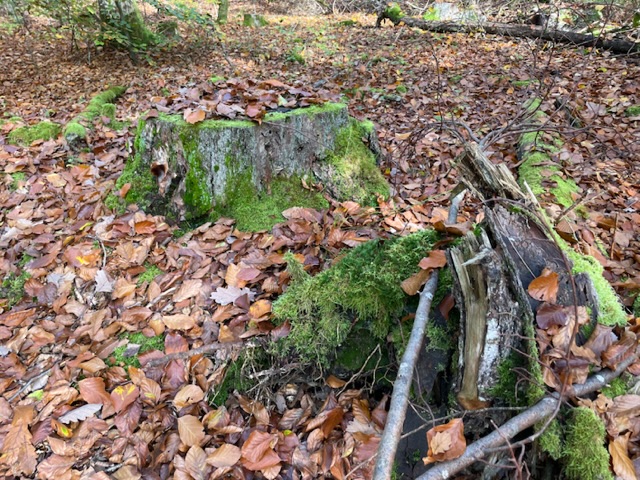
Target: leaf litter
pixel 84 263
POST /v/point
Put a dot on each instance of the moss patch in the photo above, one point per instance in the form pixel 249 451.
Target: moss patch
pixel 28 134
pixel 394 12
pixel 12 287
pixel 100 104
pixel 151 272
pixel 617 387
pixel 357 176
pixel 364 285
pixel 255 211
pixel 146 344
pixel 633 111
pixel 584 454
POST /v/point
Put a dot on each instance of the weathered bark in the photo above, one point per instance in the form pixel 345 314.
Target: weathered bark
pixel 492 272
pixel 526 31
pixel 185 171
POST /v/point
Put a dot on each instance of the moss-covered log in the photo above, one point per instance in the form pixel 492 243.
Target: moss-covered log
pixel 252 172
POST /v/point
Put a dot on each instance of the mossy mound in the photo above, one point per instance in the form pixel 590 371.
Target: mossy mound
pixel 28 134
pixel 237 168
pixel 101 104
pixel 362 287
pixel 584 454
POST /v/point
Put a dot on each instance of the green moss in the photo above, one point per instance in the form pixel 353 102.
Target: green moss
pixel 584 455
pixel 74 130
pixel 431 15
pixel 28 134
pixel 198 197
pixel 364 284
pixel 150 273
pixel 524 83
pixel 352 355
pixel 611 312
pixel 551 439
pixel 100 104
pixel 508 388
pixel 617 387
pixel 255 211
pixel 16 179
pixel 146 344
pixel 138 175
pixel 394 12
pixel 12 287
pixel 216 79
pixel 633 111
pixel 236 376
pixel 636 306
pixel 357 177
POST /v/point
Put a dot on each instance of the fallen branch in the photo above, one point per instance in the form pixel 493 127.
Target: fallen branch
pixel 211 347
pixel 560 36
pixel 402 385
pixel 537 413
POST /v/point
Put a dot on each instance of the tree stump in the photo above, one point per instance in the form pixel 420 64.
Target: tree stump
pixel 252 172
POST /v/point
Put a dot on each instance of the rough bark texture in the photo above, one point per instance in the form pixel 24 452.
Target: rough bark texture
pixel 189 170
pixel 560 36
pixel 492 272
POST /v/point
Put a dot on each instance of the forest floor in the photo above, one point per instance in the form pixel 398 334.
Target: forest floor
pixel 82 282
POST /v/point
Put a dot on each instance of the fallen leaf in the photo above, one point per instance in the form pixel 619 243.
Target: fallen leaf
pixel 448 447
pixel 80 413
pixel 194 116
pixel 622 464
pixel 191 430
pixel 227 455
pixel 436 259
pixel 545 287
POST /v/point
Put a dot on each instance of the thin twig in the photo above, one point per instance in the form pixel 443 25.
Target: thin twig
pixel 402 385
pixel 211 347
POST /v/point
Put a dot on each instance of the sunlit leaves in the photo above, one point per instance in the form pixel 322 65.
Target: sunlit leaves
pixel 446 442
pixel 545 287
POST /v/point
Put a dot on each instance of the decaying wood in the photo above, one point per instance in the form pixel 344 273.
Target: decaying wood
pixel 526 31
pixel 491 274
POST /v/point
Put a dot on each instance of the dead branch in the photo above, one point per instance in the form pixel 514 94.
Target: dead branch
pixel 551 35
pixel 212 347
pixel 402 385
pixel 537 413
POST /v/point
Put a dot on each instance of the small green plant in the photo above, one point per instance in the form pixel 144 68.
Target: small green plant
pixel 296 54
pixel 13 287
pixel 584 454
pixel 151 272
pixel 146 344
pixel 16 179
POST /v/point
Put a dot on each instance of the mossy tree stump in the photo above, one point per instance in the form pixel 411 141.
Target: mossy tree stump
pixel 252 172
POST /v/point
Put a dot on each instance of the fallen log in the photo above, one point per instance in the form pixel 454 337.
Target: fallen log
pixel 618 46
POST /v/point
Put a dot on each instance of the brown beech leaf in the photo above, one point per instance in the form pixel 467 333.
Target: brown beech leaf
pixel 545 287
pixel 188 395
pixel 195 462
pixel 191 430
pixel 179 321
pixel 436 259
pixel 194 116
pixel 260 309
pixel 412 285
pixel 257 445
pixel 17 452
pixel 448 447
pixel 622 464
pixel 335 382
pixel 189 289
pixel 227 455
pixel 549 314
pixel 124 395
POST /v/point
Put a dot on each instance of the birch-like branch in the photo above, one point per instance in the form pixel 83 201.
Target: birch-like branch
pixel 537 413
pixel 402 385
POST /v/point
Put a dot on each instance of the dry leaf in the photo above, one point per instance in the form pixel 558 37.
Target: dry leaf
pixel 436 259
pixel 188 395
pixel 226 455
pixel 194 116
pixel 622 464
pixel 545 287
pixel 335 382
pixel 448 447
pixel 191 430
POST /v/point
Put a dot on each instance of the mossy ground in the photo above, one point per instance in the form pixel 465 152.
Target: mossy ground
pixel 633 111
pixel 255 211
pixel 100 105
pixel 146 344
pixel 364 286
pixel 584 454
pixel 151 272
pixel 28 134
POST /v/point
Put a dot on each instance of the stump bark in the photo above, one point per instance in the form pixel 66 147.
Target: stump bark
pixel 239 168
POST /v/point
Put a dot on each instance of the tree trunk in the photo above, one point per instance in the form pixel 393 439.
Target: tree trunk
pixel 560 36
pixel 223 11
pixel 124 17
